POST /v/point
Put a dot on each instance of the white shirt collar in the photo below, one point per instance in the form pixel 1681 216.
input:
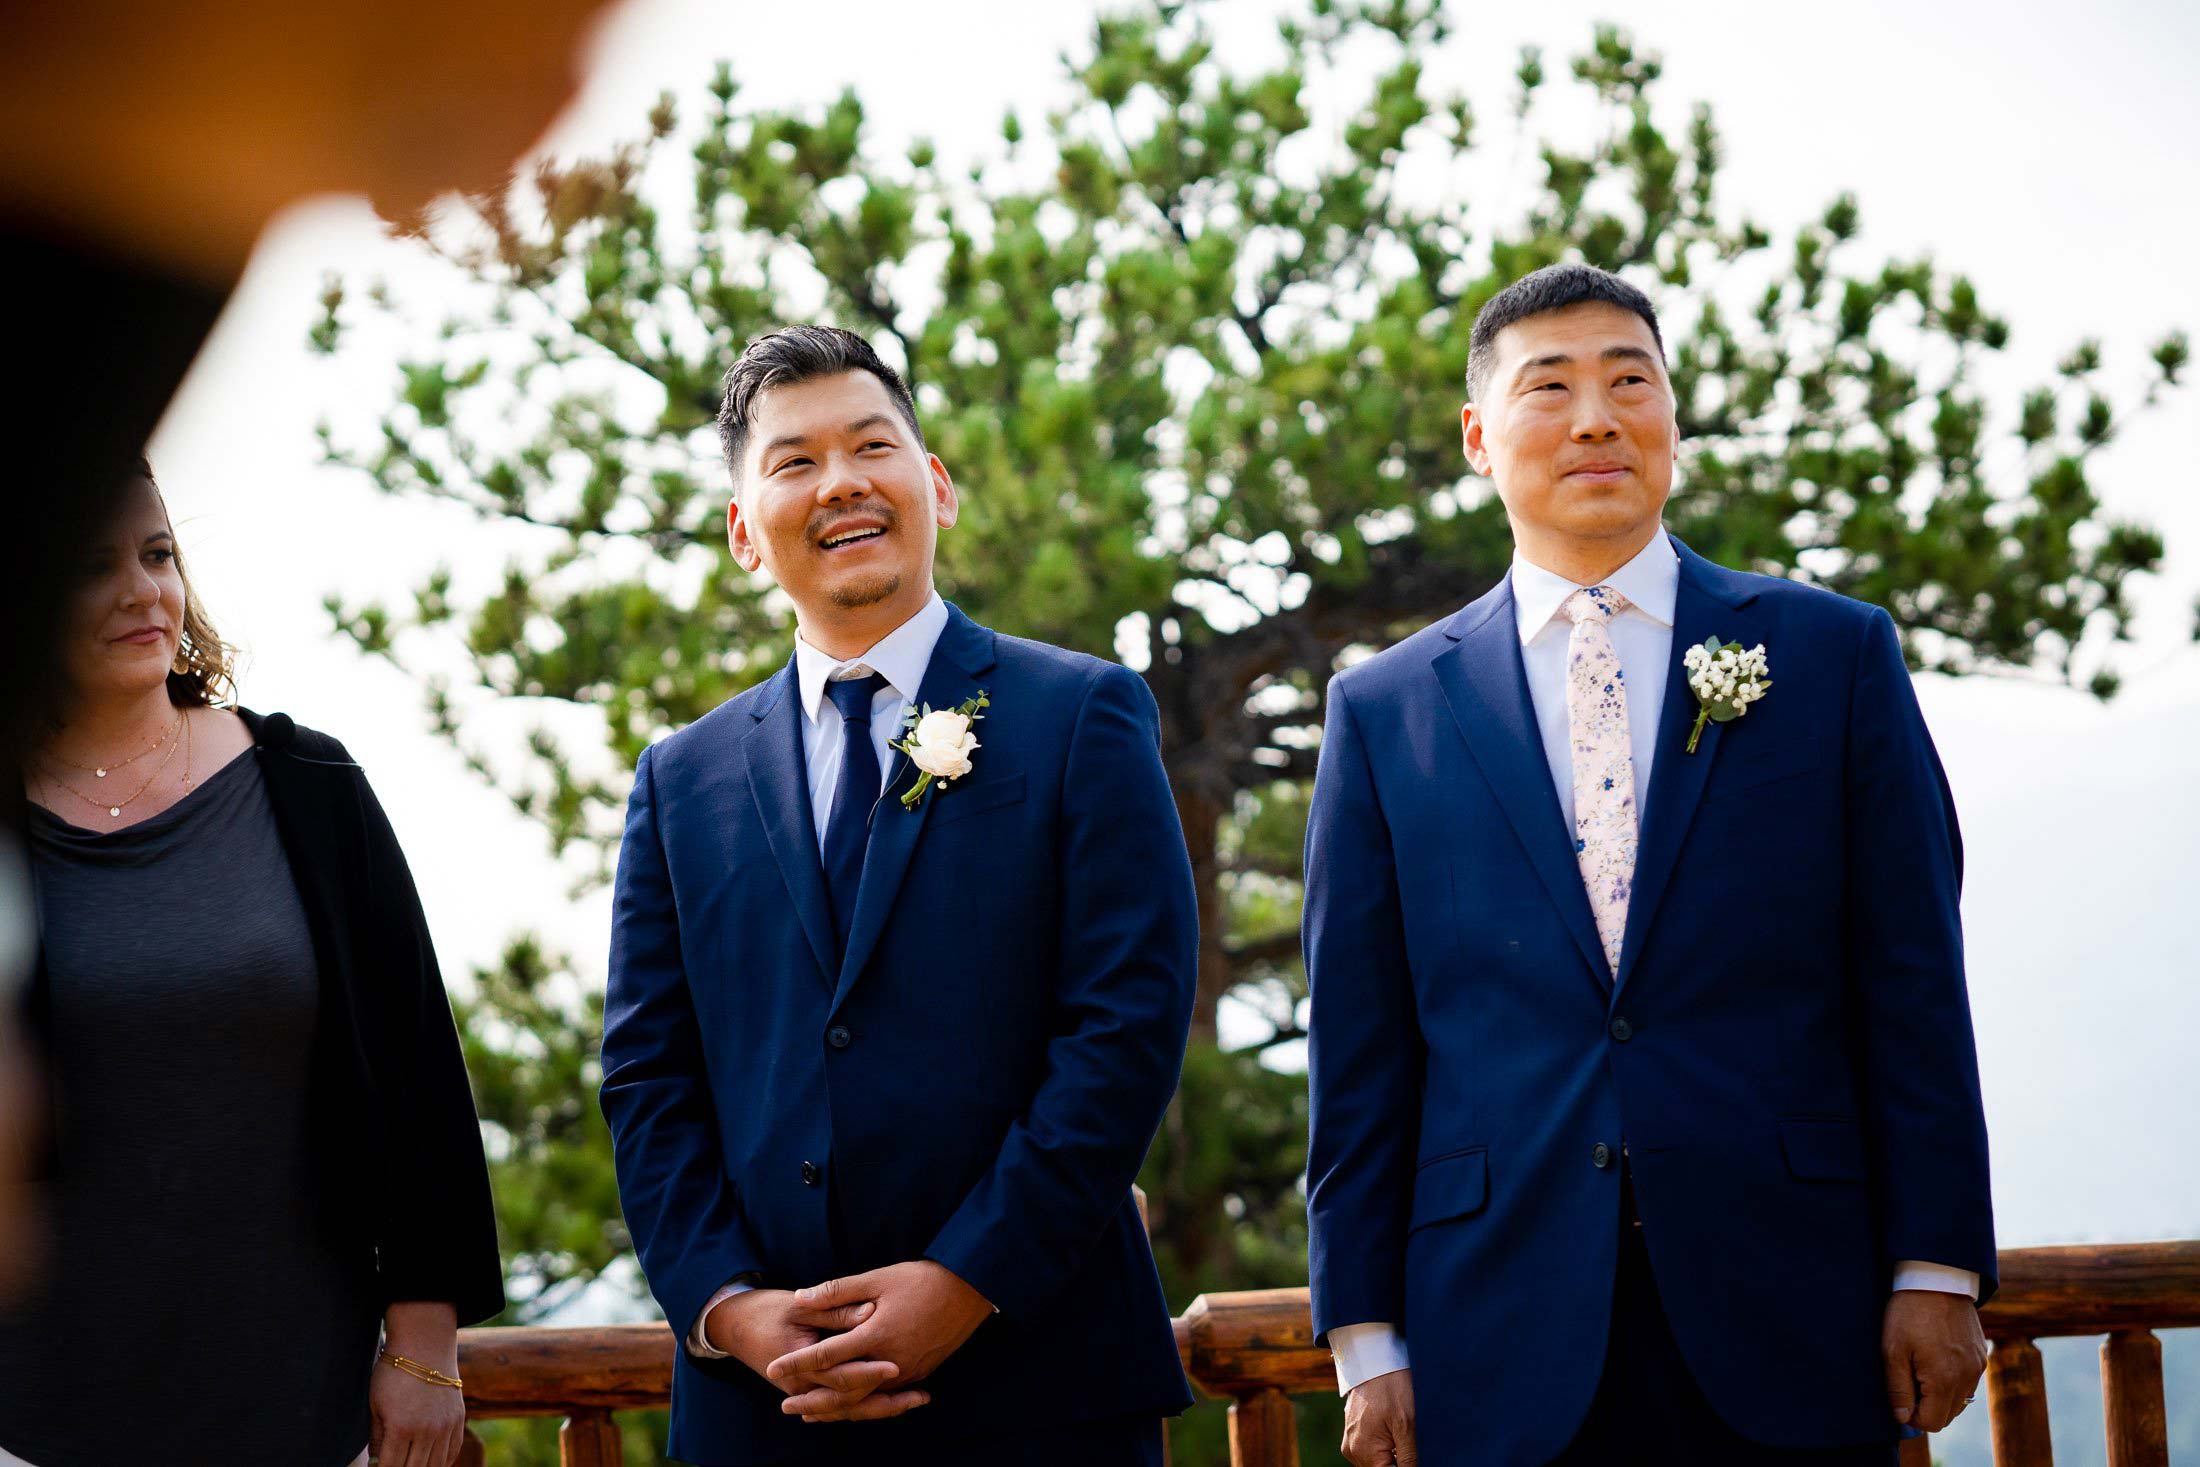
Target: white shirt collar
pixel 1651 582
pixel 901 656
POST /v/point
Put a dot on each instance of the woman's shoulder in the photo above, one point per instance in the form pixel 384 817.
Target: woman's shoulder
pixel 279 733
pixel 220 734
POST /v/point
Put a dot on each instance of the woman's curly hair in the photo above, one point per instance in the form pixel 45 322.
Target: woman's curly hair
pixel 205 672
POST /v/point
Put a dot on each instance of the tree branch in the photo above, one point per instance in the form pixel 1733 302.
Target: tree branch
pixel 1276 947
pixel 1244 864
pixel 1283 1034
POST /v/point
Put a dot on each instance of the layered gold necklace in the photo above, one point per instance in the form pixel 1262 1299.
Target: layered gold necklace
pixel 176 735
pixel 103 770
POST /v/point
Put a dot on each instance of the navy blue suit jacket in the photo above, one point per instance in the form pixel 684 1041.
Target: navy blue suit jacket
pixel 975 1083
pixel 1795 1082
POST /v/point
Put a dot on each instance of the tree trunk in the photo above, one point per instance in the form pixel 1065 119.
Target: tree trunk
pixel 1202 814
pixel 1199 779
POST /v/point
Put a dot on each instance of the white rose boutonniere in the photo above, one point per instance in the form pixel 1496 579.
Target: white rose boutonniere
pixel 1725 680
pixel 940 744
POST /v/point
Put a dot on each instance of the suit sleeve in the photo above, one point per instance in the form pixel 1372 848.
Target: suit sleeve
pixel 436 1234
pixel 1124 993
pixel 1922 1106
pixel 679 1203
pixel 1364 1051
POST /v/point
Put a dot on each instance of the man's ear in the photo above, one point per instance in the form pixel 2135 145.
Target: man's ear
pixel 1470 438
pixel 737 537
pixel 946 502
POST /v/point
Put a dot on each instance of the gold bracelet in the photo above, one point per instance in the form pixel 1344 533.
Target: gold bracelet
pixel 427 1373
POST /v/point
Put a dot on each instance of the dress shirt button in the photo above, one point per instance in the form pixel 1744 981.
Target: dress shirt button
pixel 811 1176
pixel 839 1037
pixel 1601 1156
pixel 1622 1030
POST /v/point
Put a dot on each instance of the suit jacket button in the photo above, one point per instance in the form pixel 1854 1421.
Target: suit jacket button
pixel 839 1037
pixel 1622 1030
pixel 811 1176
pixel 1601 1155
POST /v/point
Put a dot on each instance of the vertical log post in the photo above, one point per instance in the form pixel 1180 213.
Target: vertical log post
pixel 2132 1402
pixel 1264 1431
pixel 471 1453
pixel 2016 1393
pixel 590 1439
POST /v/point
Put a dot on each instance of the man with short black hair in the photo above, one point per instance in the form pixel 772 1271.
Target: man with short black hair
pixel 902 962
pixel 1646 1120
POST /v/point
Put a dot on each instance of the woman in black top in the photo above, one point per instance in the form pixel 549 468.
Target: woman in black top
pixel 264 1149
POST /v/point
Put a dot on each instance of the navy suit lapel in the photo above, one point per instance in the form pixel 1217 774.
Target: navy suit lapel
pixel 1713 602
pixel 778 777
pixel 1486 684
pixel 964 652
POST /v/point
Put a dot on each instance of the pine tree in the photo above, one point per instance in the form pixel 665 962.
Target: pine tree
pixel 1196 356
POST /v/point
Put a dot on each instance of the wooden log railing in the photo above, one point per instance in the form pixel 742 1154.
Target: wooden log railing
pixel 1257 1350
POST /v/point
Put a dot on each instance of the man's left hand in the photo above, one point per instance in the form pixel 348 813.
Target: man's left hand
pixel 1935 1353
pixel 924 1314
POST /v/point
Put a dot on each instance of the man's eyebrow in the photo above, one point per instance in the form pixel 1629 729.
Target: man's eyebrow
pixel 799 440
pixel 1534 364
pixel 1561 359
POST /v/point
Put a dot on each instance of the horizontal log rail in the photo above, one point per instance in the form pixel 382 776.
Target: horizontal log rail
pixel 1257 1350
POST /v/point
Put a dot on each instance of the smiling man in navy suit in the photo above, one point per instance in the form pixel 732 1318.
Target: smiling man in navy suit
pixel 1646 1120
pixel 882 1053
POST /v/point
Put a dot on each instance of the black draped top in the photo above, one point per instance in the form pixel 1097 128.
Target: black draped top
pixel 192 1302
pixel 252 968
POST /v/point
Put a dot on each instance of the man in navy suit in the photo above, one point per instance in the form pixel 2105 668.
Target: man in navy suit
pixel 882 1051
pixel 1646 1119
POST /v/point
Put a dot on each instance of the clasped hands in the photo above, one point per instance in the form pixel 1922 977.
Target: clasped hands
pixel 855 1348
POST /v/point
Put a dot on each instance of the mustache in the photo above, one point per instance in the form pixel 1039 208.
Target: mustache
pixel 825 522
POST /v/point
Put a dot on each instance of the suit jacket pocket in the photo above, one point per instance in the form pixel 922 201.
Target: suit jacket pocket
pixel 959 801
pixel 1829 1150
pixel 1765 766
pixel 1456 1184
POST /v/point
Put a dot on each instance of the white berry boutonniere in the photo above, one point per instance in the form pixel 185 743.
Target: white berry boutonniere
pixel 940 744
pixel 1725 680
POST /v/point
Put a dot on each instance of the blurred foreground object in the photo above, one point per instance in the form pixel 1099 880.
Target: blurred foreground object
pixel 172 134
pixel 143 147
pixel 18 1092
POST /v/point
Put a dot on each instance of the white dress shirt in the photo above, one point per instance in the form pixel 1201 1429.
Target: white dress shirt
pixel 1642 635
pixel 901 656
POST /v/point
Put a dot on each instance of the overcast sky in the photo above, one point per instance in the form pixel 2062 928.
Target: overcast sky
pixel 2049 158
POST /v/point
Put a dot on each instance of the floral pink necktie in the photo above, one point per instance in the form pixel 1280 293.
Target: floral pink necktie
pixel 1604 768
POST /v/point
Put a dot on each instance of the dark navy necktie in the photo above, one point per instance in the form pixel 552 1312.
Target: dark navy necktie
pixel 855 793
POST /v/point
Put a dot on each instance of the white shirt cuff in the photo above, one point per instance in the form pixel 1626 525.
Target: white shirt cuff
pixel 1936 1278
pixel 1364 1351
pixel 699 1344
